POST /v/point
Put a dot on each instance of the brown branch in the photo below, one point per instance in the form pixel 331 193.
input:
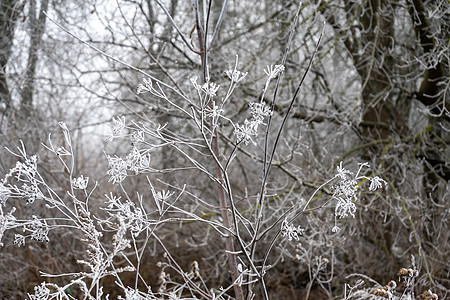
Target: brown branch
pixel 429 91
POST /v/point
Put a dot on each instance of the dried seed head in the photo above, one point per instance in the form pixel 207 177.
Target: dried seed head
pixel 392 284
pixel 408 272
pixel 382 292
pixel 428 295
pixel 195 269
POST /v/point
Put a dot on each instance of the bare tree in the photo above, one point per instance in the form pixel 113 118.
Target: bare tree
pixel 376 91
pixel 9 14
pixel 36 30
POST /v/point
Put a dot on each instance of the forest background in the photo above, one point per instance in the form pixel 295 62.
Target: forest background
pixel 343 83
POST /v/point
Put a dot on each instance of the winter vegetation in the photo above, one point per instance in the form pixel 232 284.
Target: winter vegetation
pixel 226 149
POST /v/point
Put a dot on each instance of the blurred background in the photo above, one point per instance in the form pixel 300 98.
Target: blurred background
pixel 377 92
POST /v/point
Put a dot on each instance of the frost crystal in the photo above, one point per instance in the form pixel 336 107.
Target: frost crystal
pixel 162 195
pixel 210 88
pixel 215 112
pixel 194 83
pixel 344 207
pixel 41 292
pixel 173 296
pixel 117 169
pixel 31 192
pixel 345 192
pixel 6 222
pixel 128 211
pixel 245 133
pixel 137 137
pixel 341 172
pixel 39 230
pixel 335 229
pixel 5 193
pixel 80 182
pixel 146 87
pixel 235 76
pixel 19 240
pixel 291 231
pixel 375 183
pixel 259 111
pixel 119 125
pixel 272 71
pixel 136 161
pixel 134 294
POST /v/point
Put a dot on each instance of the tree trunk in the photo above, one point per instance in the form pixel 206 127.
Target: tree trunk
pixel 37 28
pixel 9 13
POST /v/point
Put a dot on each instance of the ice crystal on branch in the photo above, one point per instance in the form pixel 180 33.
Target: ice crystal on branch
pixel 41 292
pixel 27 169
pixel 259 111
pixel 27 174
pixel 128 212
pixel 80 182
pixel 215 112
pixel 194 83
pixel 162 195
pixel 344 207
pixel 134 294
pixel 345 192
pixel 246 132
pixel 376 183
pixel 61 151
pixel 119 241
pixel 39 229
pixel 341 172
pixel 30 192
pixel 19 240
pixel 146 87
pixel 160 198
pixel 118 126
pixel 137 137
pixel 210 88
pixel 136 161
pixel 291 231
pixel 6 222
pixel 5 193
pixel 235 76
pixel 272 71
pixel 335 229
pixel 117 169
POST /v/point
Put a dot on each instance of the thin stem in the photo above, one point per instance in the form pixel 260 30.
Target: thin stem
pixel 219 22
pixel 176 27
pixel 229 243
